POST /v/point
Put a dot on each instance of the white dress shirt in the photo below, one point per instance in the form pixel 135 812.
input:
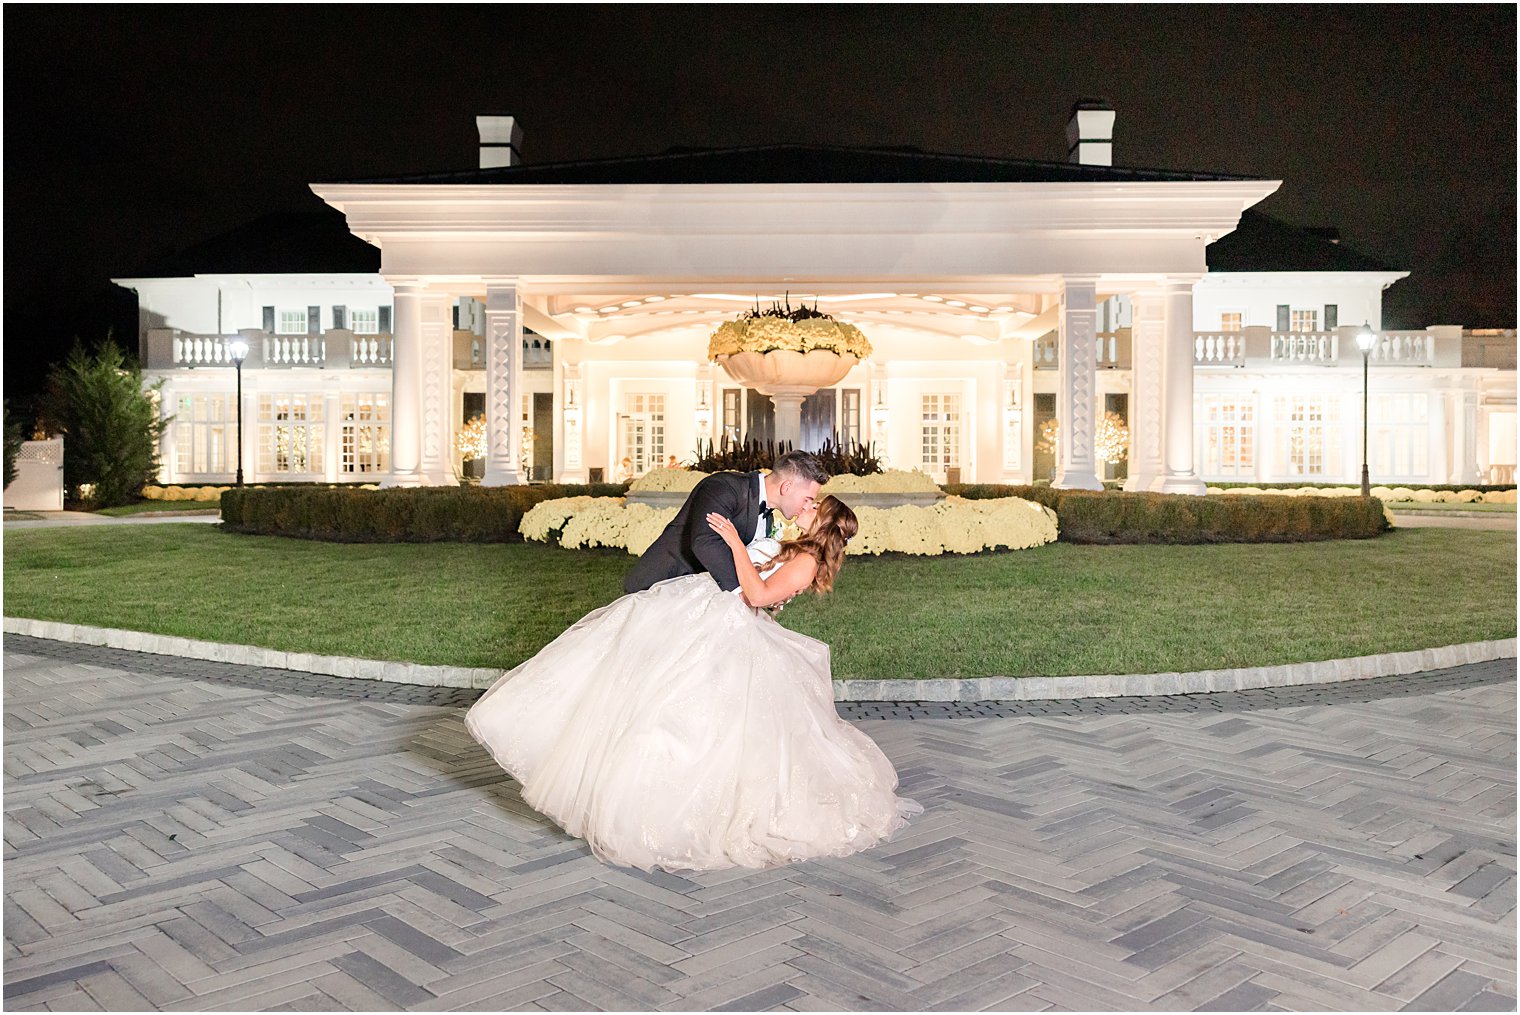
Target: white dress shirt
pixel 760 530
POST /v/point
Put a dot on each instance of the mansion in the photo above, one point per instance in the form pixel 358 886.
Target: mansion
pixel 1013 308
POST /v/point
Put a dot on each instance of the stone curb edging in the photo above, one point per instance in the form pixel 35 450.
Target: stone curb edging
pixel 974 689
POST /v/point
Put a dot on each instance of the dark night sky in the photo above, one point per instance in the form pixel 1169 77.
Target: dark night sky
pixel 132 132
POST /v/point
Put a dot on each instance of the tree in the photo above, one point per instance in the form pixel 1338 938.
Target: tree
pixel 110 424
pixel 13 442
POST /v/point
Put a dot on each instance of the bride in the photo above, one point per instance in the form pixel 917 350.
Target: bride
pixel 682 728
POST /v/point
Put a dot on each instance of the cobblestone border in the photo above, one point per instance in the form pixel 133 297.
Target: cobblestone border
pixel 977 689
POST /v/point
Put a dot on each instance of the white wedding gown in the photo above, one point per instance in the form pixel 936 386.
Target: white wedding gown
pixel 679 728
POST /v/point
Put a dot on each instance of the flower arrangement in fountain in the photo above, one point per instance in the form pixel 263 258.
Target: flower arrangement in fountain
pixel 777 328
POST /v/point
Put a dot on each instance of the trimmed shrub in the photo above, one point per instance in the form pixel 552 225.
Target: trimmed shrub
pixel 1113 517
pixel 472 514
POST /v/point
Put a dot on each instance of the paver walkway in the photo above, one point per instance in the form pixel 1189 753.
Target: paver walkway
pixel 188 835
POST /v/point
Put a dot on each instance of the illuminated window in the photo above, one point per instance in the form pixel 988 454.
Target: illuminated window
pixel 642 441
pixel 1232 320
pixel 1226 431
pixel 1308 436
pixel 364 322
pixel 940 433
pixel 291 433
pixel 366 439
pixel 1304 320
pixel 1398 436
pixel 291 322
pixel 849 416
pixel 205 434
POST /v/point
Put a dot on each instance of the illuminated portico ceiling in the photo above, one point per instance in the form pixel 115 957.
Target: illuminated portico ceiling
pixel 991 307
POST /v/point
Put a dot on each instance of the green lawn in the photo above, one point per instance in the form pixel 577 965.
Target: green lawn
pixel 1056 610
pixel 1416 506
pixel 144 507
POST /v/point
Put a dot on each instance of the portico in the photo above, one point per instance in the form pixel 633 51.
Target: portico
pixel 952 280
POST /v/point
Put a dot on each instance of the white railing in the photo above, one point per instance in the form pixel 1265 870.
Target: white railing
pixel 1226 348
pixel 370 351
pixel 1110 351
pixel 201 351
pixel 1501 475
pixel 294 350
pixel 537 354
pixel 1412 347
pixel 1305 347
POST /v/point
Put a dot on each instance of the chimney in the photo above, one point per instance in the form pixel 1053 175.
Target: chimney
pixel 500 138
pixel 1090 133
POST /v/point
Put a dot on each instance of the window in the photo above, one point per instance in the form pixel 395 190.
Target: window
pixel 1226 429
pixel 1398 436
pixel 642 443
pixel 366 439
pixel 1232 320
pixel 849 416
pixel 1304 320
pixel 940 433
pixel 364 322
pixel 1308 436
pixel 205 434
pixel 291 322
pixel 733 422
pixel 290 434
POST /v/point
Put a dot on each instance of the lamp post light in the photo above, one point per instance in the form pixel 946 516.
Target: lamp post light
pixel 237 348
pixel 1366 338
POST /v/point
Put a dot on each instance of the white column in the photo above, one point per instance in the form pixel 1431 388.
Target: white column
pixel 1439 438
pixel 570 447
pixel 250 435
pixel 168 449
pixel 1178 474
pixel 406 388
pixel 1465 469
pixel 1147 402
pixel 504 333
pixel 332 433
pixel 436 460
pixel 1076 395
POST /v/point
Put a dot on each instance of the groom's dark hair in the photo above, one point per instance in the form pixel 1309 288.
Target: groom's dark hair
pixel 801 465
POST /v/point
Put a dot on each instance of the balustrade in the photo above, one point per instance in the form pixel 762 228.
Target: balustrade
pixel 200 350
pixel 1411 347
pixel 1226 348
pixel 1305 347
pixel 1111 351
pixel 370 350
pixel 294 350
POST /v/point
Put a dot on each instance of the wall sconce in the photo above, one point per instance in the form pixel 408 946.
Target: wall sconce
pixel 572 411
pixel 879 412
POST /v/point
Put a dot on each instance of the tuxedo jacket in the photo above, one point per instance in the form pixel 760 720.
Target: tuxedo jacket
pixel 690 546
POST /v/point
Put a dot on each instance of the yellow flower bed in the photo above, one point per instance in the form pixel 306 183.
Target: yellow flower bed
pixel 211 494
pixel 889 481
pixel 667 481
pixel 954 525
pixel 1386 494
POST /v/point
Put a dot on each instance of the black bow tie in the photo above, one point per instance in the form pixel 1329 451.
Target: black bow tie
pixel 765 513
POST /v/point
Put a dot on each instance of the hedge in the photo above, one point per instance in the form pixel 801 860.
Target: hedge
pixel 467 514
pixel 492 514
pixel 1114 517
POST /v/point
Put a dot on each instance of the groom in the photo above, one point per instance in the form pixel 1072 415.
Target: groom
pixel 690 546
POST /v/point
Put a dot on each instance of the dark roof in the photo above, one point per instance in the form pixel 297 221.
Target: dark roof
pixel 1262 243
pixel 287 243
pixel 795 163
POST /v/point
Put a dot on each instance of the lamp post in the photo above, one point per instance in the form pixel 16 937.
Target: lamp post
pixel 1366 338
pixel 237 348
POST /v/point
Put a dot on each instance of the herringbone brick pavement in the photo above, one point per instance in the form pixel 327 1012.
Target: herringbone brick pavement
pixel 183 835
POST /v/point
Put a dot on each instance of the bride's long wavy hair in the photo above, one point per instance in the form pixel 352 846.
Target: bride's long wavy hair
pixel 833 526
